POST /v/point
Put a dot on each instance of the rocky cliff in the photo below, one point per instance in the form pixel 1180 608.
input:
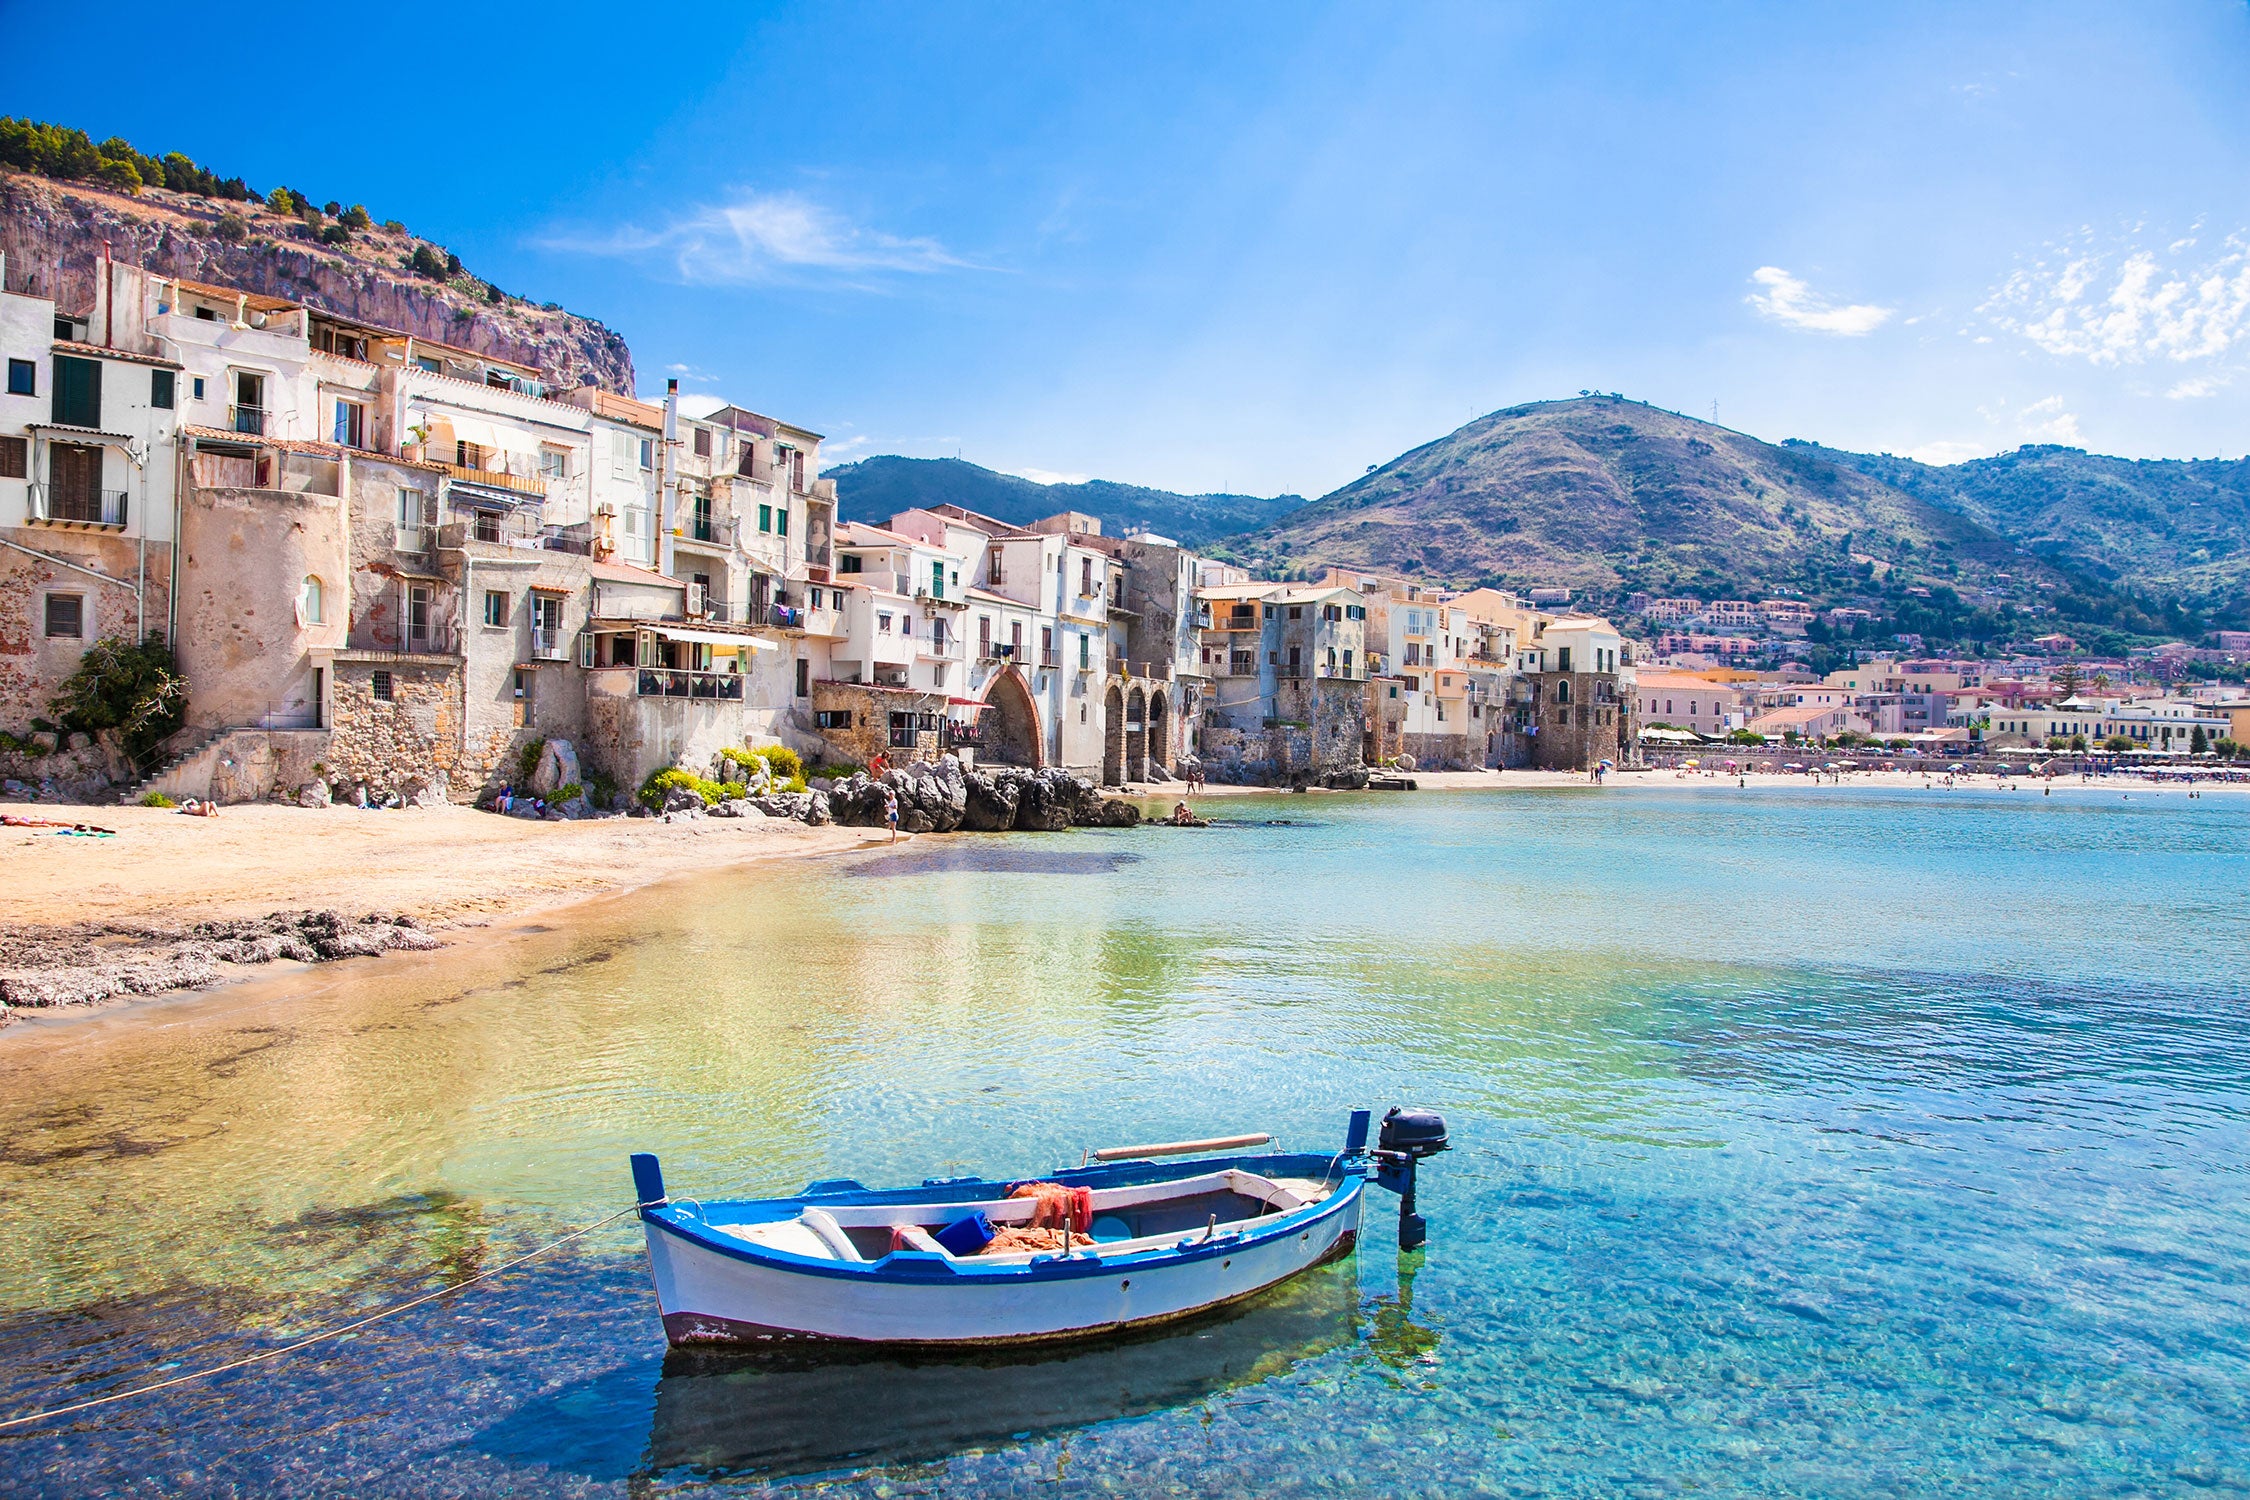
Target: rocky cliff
pixel 52 234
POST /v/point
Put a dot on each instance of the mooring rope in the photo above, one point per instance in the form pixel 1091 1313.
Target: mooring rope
pixel 311 1339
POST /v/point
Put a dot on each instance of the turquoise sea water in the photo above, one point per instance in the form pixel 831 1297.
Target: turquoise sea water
pixel 1808 1142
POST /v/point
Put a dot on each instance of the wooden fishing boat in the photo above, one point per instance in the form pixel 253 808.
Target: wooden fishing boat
pixel 1124 1240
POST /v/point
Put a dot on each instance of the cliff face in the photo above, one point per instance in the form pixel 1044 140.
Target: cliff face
pixel 52 234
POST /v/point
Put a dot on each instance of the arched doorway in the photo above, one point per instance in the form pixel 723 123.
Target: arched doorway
pixel 1011 724
pixel 1136 735
pixel 1159 733
pixel 1113 737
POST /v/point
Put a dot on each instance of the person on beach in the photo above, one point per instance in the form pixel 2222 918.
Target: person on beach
pixel 890 810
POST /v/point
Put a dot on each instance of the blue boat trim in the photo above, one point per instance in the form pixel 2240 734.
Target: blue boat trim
pixel 917 1266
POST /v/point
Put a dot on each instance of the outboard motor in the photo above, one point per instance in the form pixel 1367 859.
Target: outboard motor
pixel 1408 1135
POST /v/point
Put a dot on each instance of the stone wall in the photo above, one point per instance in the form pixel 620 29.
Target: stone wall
pixel 869 734
pixel 405 744
pixel 1580 719
pixel 33 666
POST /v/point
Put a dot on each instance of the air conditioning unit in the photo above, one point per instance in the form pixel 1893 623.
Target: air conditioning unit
pixel 698 602
pixel 606 511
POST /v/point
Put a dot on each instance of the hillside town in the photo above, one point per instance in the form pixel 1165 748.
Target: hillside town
pixel 389 569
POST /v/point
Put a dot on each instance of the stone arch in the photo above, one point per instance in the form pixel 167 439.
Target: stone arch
pixel 1012 734
pixel 1159 731
pixel 1113 737
pixel 1136 735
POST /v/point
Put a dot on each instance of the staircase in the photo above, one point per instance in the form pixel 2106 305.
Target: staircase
pixel 171 763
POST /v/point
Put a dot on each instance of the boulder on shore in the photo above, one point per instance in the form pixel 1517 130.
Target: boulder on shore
pixel 557 768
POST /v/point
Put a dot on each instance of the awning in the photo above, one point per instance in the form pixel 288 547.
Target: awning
pixel 976 703
pixel 713 637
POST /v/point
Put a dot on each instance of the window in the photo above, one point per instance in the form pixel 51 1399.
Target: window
pixel 1085 651
pixel 78 392
pixel 426 362
pixel 984 637
pixel 832 718
pixel 554 464
pixel 1331 612
pixel 417 517
pixel 702 443
pixel 15 458
pixel 66 616
pixel 23 378
pixel 351 424
pixel 379 683
pixel 1562 658
pixel 249 402
pixel 160 389
pixel 468 455
pixel 883 622
pixel 310 603
pixel 495 608
pixel 1015 640
pixel 487 527
pixel 1046 645
pixel 417 617
pixel 993 571
pixel 195 386
pixel 765 518
pixel 937 635
pixel 850 562
pixel 781 520
pixel 804 678
pixel 1296 611
pixel 648 454
pixel 1086 576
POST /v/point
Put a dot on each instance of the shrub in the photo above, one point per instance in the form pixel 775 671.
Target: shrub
pixel 157 799
pixel 603 789
pixel 660 784
pixel 335 234
pixel 232 229
pixel 126 687
pixel 2117 742
pixel 2226 747
pixel 527 760
pixel 426 262
pixel 568 790
pixel 119 174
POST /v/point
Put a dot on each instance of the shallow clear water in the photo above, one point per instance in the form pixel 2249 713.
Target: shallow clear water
pixel 1817 1142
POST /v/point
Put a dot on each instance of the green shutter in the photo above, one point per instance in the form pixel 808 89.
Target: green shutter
pixel 78 391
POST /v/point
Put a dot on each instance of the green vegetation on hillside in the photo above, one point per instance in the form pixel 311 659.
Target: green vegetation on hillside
pixel 874 489
pixel 73 156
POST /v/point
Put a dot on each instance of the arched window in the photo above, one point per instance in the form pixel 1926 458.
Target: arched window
pixel 309 602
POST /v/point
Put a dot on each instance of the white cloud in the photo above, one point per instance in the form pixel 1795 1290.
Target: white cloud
pixel 840 450
pixel 1790 302
pixel 2126 305
pixel 763 237
pixel 1048 476
pixel 692 405
pixel 1946 451
pixel 2047 422
pixel 2197 387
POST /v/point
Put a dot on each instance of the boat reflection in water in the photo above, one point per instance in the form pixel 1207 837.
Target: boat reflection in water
pixel 787 1412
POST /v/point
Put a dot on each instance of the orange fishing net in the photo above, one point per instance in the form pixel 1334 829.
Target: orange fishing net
pixel 1059 1206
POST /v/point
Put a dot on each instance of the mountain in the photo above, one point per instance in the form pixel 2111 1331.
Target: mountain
pixel 1608 496
pixel 2161 527
pixel 874 489
pixel 51 232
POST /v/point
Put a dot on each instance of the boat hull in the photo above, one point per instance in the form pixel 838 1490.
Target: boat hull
pixel 712 1292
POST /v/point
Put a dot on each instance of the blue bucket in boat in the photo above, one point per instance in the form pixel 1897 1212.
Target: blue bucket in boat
pixel 965 1236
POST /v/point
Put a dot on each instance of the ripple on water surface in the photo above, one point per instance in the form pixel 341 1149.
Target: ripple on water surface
pixel 1807 1145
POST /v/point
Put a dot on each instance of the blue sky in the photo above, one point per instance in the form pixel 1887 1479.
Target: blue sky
pixel 1263 247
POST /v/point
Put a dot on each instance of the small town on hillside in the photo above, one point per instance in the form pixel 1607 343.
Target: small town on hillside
pixel 390 569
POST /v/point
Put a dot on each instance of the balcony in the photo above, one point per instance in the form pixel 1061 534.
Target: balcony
pixel 77 506
pixel 251 419
pixel 546 644
pixel 496 479
pixel 711 687
pixel 708 531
